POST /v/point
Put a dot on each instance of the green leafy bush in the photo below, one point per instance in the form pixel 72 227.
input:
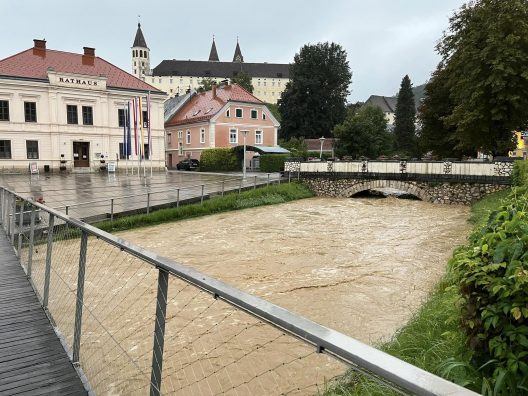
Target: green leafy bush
pixel 272 162
pixel 219 159
pixel 493 279
pixel 520 173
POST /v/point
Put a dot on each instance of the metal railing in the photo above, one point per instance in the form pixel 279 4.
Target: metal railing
pixel 145 202
pixel 137 323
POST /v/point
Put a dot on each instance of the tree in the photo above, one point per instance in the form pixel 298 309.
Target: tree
pixel 436 135
pixel 314 100
pixel 206 84
pixel 485 52
pixel 274 109
pixel 404 120
pixel 296 146
pixel 363 133
pixel 244 80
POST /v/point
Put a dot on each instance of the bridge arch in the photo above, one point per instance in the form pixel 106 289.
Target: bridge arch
pixel 408 187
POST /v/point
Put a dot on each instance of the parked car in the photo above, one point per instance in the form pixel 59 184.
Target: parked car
pixel 188 164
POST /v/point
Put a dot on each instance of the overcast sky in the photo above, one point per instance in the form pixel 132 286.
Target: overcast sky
pixel 384 39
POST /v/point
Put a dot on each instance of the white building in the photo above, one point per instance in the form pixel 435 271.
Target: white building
pixel 176 77
pixel 66 110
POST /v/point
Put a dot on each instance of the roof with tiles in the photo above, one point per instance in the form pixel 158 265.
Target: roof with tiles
pixel 35 62
pixel 204 105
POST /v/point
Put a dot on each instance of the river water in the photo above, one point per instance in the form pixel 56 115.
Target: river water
pixel 360 266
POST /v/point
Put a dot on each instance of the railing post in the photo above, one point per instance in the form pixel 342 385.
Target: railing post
pixel 67 207
pixel 112 210
pixel 13 222
pixel 31 240
pixel 240 186
pixel 80 297
pixel 159 333
pixel 20 224
pixel 178 198
pixel 289 177
pixel 201 200
pixel 48 261
pixel 254 182
pixel 223 187
pixel 148 203
pixel 268 180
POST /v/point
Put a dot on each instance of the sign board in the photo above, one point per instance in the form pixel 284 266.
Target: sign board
pixel 112 167
pixel 33 168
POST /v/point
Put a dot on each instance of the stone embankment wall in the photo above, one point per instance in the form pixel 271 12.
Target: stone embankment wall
pixel 444 193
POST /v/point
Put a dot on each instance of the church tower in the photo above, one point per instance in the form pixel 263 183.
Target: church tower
pixel 238 54
pixel 213 55
pixel 140 55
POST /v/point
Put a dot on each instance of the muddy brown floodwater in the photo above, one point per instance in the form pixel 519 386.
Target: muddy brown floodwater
pixel 359 266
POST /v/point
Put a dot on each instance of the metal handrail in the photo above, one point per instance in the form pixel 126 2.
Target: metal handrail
pixel 324 339
pixel 145 193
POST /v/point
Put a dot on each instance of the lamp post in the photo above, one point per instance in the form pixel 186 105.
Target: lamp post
pixel 244 158
pixel 321 139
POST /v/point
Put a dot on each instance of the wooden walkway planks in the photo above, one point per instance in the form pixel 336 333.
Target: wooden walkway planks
pixel 32 359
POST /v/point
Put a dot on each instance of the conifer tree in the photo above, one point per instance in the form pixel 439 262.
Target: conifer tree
pixel 404 120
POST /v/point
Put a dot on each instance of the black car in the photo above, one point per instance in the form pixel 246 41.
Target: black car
pixel 188 164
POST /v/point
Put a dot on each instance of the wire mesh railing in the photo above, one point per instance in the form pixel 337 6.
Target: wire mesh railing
pixel 137 323
pixel 160 197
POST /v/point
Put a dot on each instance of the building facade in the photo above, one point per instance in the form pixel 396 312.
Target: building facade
pixel 61 110
pixel 222 117
pixel 176 77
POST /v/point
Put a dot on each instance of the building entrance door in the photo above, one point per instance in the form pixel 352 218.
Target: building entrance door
pixel 81 154
pixel 169 165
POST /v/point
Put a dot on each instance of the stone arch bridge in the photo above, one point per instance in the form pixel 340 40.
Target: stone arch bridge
pixel 437 182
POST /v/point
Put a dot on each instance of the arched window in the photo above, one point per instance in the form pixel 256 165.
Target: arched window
pixel 141 53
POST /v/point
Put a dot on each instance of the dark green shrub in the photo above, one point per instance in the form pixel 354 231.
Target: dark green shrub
pixel 317 154
pixel 520 173
pixel 493 273
pixel 219 159
pixel 272 162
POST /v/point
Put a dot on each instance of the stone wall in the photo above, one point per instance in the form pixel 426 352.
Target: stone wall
pixel 444 193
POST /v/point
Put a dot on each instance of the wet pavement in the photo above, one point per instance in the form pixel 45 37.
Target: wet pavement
pixel 94 196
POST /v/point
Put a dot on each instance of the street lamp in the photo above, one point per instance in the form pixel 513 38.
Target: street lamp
pixel 321 139
pixel 244 158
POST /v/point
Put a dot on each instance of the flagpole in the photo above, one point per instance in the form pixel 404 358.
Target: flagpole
pixel 127 121
pixel 149 133
pixel 142 142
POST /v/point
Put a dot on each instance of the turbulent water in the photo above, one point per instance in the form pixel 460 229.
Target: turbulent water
pixel 360 266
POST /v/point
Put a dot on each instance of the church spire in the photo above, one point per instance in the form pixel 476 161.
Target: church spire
pixel 238 54
pixel 213 55
pixel 139 41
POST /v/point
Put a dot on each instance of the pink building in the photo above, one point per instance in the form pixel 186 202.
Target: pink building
pixel 218 118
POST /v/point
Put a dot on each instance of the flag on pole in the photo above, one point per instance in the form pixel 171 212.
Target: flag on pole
pixel 129 143
pixel 134 105
pixel 124 150
pixel 149 137
pixel 141 144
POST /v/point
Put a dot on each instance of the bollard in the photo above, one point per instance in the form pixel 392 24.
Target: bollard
pixel 112 210
pixel 201 200
pixel 67 210
pixel 255 182
pixel 289 177
pixel 178 198
pixel 223 187
pixel 240 186
pixel 268 180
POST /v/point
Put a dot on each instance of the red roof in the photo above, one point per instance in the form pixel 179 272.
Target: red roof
pixel 34 63
pixel 203 106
